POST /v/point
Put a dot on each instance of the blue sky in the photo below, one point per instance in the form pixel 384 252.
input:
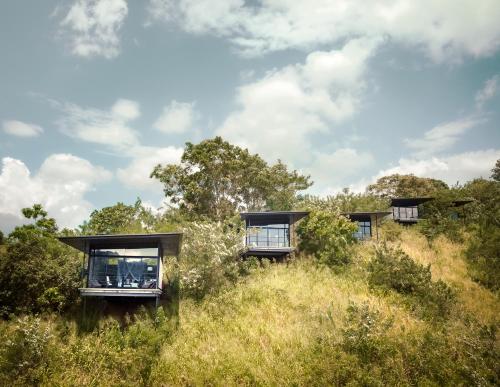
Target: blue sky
pixel 95 93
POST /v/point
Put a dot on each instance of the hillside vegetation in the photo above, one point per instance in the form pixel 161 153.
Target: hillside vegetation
pixel 299 323
pixel 420 306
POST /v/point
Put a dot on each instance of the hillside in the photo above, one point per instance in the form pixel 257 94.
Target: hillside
pixel 298 323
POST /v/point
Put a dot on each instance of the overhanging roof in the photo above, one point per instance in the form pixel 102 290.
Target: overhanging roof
pixel 297 215
pixel 403 202
pixel 170 242
pixel 359 214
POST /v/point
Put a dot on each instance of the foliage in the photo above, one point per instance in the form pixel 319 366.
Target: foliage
pixel 215 179
pixel 36 271
pixel 495 172
pixel 390 230
pixel 119 218
pixel 393 269
pixel 365 333
pixel 347 201
pixel 406 186
pixel 25 356
pixel 327 235
pixel 483 250
pixel 209 258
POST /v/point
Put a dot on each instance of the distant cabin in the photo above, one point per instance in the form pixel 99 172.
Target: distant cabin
pixel 124 265
pixel 407 210
pixel 368 223
pixel 271 233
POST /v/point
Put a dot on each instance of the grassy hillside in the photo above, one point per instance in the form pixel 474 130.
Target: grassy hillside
pixel 290 324
pixel 285 324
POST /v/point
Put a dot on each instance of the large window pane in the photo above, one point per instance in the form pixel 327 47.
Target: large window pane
pixel 271 235
pixel 146 252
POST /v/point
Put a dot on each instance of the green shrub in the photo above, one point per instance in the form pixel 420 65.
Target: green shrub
pixel 391 231
pixel 24 356
pixel 365 335
pixel 328 236
pixel 393 269
pixel 209 259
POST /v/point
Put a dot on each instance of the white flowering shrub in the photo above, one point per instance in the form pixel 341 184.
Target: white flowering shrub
pixel 209 257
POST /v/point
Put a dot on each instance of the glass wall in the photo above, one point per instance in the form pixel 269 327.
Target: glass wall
pixel 270 235
pixel 364 230
pixel 405 213
pixel 124 268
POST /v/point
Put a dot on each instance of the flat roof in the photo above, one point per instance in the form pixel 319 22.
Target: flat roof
pixel 170 242
pixel 397 202
pixel 359 214
pixel 296 214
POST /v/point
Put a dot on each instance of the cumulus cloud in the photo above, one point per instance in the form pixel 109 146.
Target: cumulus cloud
pixel 21 129
pixel 92 27
pixel 278 114
pixel 442 136
pixel 109 128
pixel 59 185
pixel 443 29
pixel 176 118
pixel 488 91
pixel 136 174
pixel 460 167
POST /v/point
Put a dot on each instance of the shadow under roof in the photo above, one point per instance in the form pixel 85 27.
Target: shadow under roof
pixel 169 242
pixel 461 202
pixel 297 215
pixel 360 214
pixel 402 202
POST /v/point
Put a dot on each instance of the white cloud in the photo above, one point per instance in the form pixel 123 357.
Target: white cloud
pixel 278 114
pixel 102 127
pixel 460 167
pixel 136 174
pixel 21 129
pixel 177 117
pixel 92 27
pixel 59 185
pixel 488 91
pixel 337 168
pixel 441 137
pixel 443 29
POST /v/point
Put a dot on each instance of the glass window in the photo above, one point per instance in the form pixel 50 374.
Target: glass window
pixel 364 230
pixel 271 235
pixel 146 252
pixel 123 272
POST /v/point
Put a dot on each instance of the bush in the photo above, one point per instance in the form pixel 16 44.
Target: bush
pixel 25 354
pixel 392 268
pixel 209 259
pixel 391 231
pixel 328 236
pixel 365 334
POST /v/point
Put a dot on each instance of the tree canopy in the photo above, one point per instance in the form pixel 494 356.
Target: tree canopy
pixel 406 186
pixel 215 179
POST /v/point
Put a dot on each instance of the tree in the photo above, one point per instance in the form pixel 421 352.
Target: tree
pixel 406 186
pixel 215 179
pixel 495 172
pixel 37 272
pixel 115 219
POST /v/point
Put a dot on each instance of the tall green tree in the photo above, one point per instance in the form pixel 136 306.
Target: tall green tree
pixel 119 218
pixel 495 172
pixel 215 179
pixel 406 186
pixel 37 272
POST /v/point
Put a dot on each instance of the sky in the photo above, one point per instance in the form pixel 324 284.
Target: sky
pixel 95 93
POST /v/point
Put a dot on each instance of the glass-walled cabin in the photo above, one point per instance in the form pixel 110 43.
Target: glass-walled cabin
pixel 270 232
pixel 407 210
pixel 124 265
pixel 367 222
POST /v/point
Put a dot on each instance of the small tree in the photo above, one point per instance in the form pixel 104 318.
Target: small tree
pixel 327 235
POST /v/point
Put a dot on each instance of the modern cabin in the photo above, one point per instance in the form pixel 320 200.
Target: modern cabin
pixel 407 210
pixel 271 233
pixel 368 223
pixel 124 265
